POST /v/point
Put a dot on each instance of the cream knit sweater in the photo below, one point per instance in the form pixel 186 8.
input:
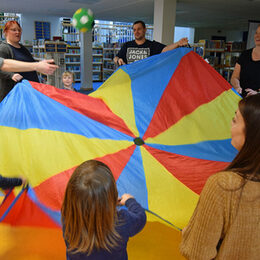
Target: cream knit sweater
pixel 225 211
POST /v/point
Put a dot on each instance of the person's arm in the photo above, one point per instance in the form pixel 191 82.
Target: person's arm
pixel 136 214
pixel 203 233
pixel 180 43
pixel 235 79
pixel 44 66
pixel 5 54
pixel 7 183
pixel 121 55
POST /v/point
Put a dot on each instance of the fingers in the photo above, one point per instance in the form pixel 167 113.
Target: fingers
pixel 50 61
pixel 46 67
pixel 120 62
pixel 183 41
pixel 250 92
pixel 51 69
pixel 17 77
pixel 124 198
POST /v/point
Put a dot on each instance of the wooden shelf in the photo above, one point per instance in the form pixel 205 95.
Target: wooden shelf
pixel 214 50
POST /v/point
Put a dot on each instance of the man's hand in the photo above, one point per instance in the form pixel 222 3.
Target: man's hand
pixel 17 77
pixel 183 42
pixel 46 66
pixel 118 61
pixel 239 90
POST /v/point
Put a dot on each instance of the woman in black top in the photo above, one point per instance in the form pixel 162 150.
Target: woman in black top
pixel 246 76
pixel 12 49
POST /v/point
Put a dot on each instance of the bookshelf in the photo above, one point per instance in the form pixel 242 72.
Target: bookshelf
pixel 109 52
pixel 51 50
pixel 222 56
pixel 72 62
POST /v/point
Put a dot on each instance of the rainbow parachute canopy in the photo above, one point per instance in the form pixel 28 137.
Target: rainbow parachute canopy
pixel 162 125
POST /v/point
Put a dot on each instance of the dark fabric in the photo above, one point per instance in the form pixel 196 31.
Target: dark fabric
pixel 131 51
pixel 250 72
pixel 130 222
pixel 1 62
pixel 6 82
pixel 22 54
pixel 7 183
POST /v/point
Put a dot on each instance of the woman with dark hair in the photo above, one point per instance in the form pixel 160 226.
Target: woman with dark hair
pixel 12 49
pixel 226 221
pixel 93 228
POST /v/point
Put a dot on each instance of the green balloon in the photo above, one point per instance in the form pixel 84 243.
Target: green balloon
pixel 83 19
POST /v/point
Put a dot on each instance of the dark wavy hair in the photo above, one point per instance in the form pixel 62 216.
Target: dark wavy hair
pixel 89 209
pixel 247 161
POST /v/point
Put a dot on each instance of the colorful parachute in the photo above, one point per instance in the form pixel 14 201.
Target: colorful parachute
pixel 161 124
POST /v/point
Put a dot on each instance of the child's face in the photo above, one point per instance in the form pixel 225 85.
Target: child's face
pixel 67 81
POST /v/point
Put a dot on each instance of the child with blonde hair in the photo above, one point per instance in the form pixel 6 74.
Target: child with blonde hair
pixel 93 227
pixel 68 80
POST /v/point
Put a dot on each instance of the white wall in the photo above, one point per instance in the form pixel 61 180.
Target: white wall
pixel 27 23
pixel 206 33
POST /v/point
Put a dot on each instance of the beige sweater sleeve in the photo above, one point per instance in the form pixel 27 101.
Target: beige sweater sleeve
pixel 205 228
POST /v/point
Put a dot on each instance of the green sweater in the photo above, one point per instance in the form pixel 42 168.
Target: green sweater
pixel 227 217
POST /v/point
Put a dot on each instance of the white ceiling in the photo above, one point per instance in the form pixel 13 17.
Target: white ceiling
pixel 219 14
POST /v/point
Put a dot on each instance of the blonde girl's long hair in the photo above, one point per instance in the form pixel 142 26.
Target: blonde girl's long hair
pixel 89 209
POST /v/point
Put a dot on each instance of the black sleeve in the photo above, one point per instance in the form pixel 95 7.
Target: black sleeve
pixel 157 47
pixel 4 54
pixel 136 216
pixel 1 62
pixel 122 53
pixel 6 183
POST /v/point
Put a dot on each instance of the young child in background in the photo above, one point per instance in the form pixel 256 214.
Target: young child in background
pixel 93 228
pixel 68 80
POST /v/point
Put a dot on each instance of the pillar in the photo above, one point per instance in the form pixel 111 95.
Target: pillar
pixel 86 61
pixel 164 21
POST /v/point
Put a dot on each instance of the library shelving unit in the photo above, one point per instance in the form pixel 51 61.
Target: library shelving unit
pixel 97 64
pixel 69 33
pixel 72 61
pixel 222 56
pixel 109 52
pixel 51 50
